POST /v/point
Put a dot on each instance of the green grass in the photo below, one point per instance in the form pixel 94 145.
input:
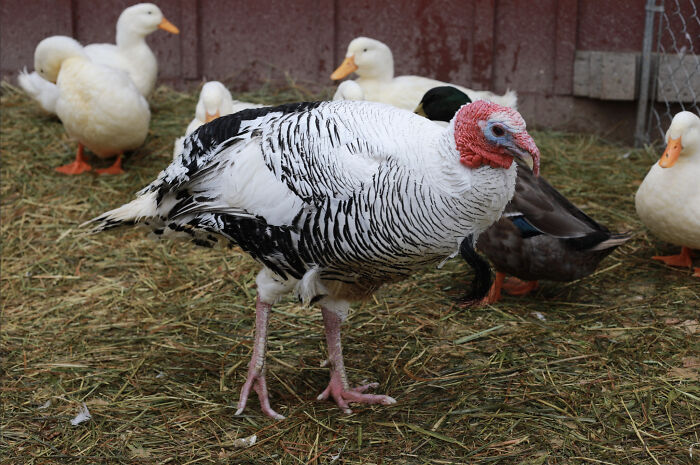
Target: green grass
pixel 154 337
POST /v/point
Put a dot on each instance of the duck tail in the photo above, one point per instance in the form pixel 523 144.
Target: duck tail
pixel 39 89
pixel 615 240
pixel 509 99
pixel 143 207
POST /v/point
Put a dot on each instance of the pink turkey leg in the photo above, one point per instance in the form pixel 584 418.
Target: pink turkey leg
pixel 338 388
pixel 256 368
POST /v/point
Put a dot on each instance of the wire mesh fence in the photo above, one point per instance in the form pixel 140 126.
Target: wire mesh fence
pixel 674 83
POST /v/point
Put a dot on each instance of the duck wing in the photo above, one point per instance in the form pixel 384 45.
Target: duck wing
pixel 537 207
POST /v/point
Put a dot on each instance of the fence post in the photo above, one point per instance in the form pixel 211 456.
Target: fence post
pixel 644 84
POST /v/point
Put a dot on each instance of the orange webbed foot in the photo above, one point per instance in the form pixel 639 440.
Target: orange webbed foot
pixel 77 167
pixel 515 286
pixel 682 259
pixel 494 294
pixel 696 272
pixel 80 165
pixel 116 168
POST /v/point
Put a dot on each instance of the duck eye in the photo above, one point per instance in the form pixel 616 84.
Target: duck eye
pixel 150 12
pixel 498 131
pixel 364 50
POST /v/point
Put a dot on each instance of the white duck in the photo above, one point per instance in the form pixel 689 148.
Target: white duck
pixel 668 200
pixel 99 106
pixel 335 199
pixel 131 54
pixel 373 62
pixel 215 100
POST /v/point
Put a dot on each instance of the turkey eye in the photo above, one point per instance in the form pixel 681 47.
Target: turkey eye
pixel 498 131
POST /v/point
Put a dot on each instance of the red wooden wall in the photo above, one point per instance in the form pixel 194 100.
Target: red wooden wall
pixel 485 44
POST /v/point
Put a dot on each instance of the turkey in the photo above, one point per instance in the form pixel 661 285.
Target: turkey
pixel 334 199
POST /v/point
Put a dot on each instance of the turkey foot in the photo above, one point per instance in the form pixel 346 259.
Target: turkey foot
pixel 343 396
pixel 256 380
pixel 338 387
pixel 256 368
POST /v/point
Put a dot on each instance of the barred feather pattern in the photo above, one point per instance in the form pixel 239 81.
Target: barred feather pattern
pixel 359 192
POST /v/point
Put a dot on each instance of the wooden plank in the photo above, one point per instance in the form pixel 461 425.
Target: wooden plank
pixel 610 26
pixel 326 38
pixel 565 46
pixel 524 46
pixel 189 39
pixel 24 24
pixel 483 44
pixel 262 41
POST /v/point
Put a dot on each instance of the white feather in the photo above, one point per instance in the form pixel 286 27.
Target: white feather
pixel 82 416
pixel 143 206
pixel 38 88
pixel 310 286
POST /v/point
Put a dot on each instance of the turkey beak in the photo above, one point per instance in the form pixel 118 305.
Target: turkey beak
pixel 672 152
pixel 419 110
pixel 168 26
pixel 212 116
pixel 526 149
pixel 346 67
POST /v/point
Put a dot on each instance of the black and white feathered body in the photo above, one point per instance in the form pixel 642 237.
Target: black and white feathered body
pixel 348 195
pixel 335 199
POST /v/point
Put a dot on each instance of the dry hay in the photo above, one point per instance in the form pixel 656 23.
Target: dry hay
pixel 154 338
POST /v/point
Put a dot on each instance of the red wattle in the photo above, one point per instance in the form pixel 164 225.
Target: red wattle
pixel 474 161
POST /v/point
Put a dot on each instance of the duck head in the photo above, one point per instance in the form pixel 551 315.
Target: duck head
pixel 214 100
pixel 143 19
pixel 51 52
pixel 490 134
pixel 683 136
pixel 441 103
pixel 368 58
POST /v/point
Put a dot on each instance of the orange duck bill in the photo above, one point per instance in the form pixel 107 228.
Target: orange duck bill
pixel 672 152
pixel 168 26
pixel 347 67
